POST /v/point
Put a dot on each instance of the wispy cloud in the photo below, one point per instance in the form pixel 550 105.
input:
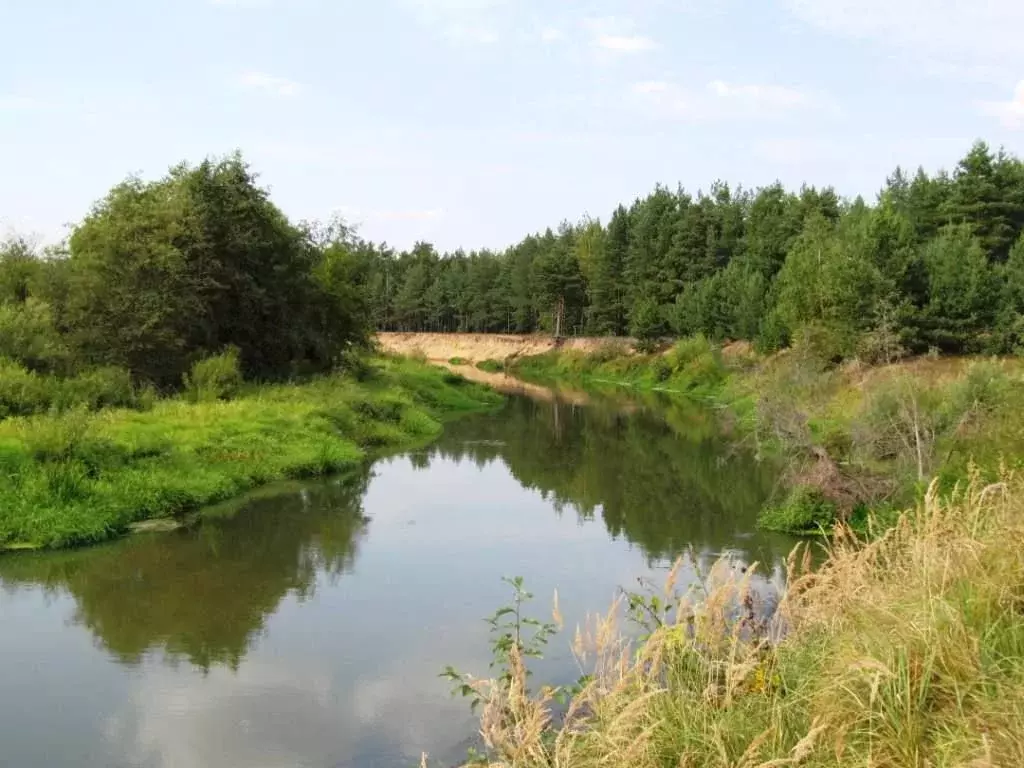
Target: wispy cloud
pixel 947 31
pixel 719 100
pixel 625 43
pixel 474 22
pixel 242 3
pixel 1009 113
pixel 21 103
pixel 617 35
pixel 471 33
pixel 551 35
pixel 272 84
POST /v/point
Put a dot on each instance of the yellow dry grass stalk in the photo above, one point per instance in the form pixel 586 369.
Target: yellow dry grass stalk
pixel 907 650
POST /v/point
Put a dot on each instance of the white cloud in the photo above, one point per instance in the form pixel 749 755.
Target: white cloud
pixel 277 86
pixel 471 33
pixel 759 96
pixel 1010 113
pixel 617 35
pixel 975 33
pixel 625 43
pixel 242 3
pixel 18 103
pixel 719 100
pixel 551 35
pixel 461 21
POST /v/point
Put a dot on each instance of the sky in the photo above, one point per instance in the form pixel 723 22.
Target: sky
pixel 470 123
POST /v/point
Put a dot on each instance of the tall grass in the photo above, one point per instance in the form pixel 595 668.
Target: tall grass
pixel 905 651
pixel 83 476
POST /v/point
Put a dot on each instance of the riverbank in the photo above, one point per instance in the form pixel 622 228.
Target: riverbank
pixel 79 477
pixel 857 440
pixel 905 651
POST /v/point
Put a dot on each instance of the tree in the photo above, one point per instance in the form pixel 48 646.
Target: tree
pixel 606 314
pixel 164 273
pixel 963 291
pixel 987 193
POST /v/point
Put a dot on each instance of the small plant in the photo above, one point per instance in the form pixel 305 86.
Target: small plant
pixel 214 378
pixel 355 364
pixel 609 350
pixel 514 636
pixel 491 366
pixel 459 361
pixel 804 511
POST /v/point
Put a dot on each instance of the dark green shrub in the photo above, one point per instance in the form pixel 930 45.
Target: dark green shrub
pixel 98 388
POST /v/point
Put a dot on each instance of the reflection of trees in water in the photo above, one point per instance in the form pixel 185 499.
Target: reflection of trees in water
pixel 661 476
pixel 203 594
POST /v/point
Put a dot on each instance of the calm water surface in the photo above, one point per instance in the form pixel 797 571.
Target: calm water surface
pixel 306 626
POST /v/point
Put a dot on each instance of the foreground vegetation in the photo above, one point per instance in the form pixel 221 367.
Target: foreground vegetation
pixel 855 438
pixel 906 651
pixel 81 477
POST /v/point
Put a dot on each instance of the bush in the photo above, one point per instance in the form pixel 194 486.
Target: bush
pixel 355 364
pixel 985 388
pixel 214 378
pixel 22 392
pixel 825 343
pixel 95 389
pixel 608 351
pixel 698 359
pixel 28 335
pixel 491 366
pixel 804 511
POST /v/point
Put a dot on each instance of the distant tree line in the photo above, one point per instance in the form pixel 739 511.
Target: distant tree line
pixel 937 261
pixel 162 274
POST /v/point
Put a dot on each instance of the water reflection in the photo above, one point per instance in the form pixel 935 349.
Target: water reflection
pixel 306 625
pixel 203 594
pixel 658 473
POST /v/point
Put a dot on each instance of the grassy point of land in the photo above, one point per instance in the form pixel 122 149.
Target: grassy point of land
pixel 81 477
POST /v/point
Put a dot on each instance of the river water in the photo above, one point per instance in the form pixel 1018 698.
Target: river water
pixel 306 625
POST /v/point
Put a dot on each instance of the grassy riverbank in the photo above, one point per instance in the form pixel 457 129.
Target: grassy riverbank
pixel 906 651
pixel 855 438
pixel 81 477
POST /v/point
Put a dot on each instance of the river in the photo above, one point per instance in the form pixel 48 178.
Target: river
pixel 306 625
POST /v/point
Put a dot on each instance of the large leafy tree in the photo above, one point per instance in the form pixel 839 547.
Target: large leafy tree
pixel 162 273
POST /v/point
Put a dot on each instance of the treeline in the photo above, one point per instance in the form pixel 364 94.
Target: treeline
pixel 937 261
pixel 162 275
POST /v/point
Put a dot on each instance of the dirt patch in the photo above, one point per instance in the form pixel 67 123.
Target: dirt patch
pixel 477 347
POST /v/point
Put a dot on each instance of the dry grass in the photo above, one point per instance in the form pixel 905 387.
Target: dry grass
pixel 905 651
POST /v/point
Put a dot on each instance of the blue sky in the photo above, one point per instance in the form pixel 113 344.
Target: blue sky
pixel 473 122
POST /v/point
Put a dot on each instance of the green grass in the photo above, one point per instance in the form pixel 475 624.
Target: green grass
pixel 693 366
pixel 81 477
pixel 491 366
